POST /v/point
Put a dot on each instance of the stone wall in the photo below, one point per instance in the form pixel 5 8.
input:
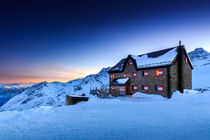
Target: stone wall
pixel 140 80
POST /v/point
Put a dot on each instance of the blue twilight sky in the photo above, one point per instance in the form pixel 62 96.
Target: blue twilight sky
pixel 63 40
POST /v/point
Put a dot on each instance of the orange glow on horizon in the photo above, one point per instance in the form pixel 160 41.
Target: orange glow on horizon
pixel 49 76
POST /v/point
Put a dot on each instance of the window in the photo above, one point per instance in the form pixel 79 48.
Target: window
pixel 134 74
pixel 145 88
pixel 159 72
pixel 112 76
pixel 134 87
pixel 145 73
pixel 159 88
pixel 185 60
pixel 130 62
pixel 122 88
pixel 125 75
pixel 114 87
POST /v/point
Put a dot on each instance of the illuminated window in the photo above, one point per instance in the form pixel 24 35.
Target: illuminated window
pixel 134 74
pixel 159 88
pixel 145 88
pixel 134 87
pixel 145 73
pixel 112 76
pixel 114 87
pixel 159 72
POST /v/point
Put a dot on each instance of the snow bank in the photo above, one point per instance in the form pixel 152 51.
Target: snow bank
pixel 185 116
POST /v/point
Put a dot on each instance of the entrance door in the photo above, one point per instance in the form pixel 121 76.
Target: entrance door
pixel 127 89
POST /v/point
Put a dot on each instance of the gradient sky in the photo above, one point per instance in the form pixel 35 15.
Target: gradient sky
pixel 64 40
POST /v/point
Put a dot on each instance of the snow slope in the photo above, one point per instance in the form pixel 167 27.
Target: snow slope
pixel 147 117
pixel 8 91
pixel 53 94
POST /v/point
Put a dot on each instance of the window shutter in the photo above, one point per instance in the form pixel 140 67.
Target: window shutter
pixel 159 72
pixel 146 88
pixel 125 75
pixel 134 74
pixel 130 63
pixel 146 73
pixel 160 88
pixel 134 87
pixel 185 60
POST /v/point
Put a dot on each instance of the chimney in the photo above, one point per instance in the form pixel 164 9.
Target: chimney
pixel 180 42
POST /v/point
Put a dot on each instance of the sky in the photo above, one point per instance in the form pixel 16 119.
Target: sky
pixel 64 40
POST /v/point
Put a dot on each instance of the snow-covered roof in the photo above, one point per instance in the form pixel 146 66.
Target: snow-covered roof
pixel 158 58
pixel 145 60
pixel 119 81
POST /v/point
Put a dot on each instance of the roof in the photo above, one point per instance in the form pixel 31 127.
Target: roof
pixel 159 58
pixel 120 81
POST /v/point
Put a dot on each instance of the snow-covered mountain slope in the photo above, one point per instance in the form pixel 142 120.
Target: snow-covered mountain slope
pixel 201 72
pixel 8 91
pixel 53 94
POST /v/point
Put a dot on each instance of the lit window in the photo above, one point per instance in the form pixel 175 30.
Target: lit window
pixel 112 76
pixel 125 75
pixel 145 73
pixel 145 88
pixel 159 88
pixel 134 74
pixel 134 87
pixel 185 60
pixel 114 87
pixel 159 72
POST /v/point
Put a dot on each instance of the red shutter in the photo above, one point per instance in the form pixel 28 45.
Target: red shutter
pixel 146 73
pixel 134 74
pixel 111 76
pixel 159 72
pixel 125 75
pixel 146 88
pixel 185 59
pixel 134 87
pixel 130 62
pixel 160 88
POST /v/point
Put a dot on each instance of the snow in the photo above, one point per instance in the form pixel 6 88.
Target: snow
pixel 122 80
pixel 165 59
pixel 185 116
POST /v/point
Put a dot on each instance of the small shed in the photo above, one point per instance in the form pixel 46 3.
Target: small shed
pixel 71 99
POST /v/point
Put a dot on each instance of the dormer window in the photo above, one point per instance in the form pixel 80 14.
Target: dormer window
pixel 159 72
pixel 145 73
pixel 125 75
pixel 130 62
pixel 134 74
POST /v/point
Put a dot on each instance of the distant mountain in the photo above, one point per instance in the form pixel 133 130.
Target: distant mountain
pixel 200 57
pixel 201 72
pixel 53 94
pixel 8 91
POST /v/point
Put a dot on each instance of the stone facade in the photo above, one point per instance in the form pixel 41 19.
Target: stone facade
pixel 170 79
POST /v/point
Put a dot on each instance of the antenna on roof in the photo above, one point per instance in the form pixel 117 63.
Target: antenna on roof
pixel 180 43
